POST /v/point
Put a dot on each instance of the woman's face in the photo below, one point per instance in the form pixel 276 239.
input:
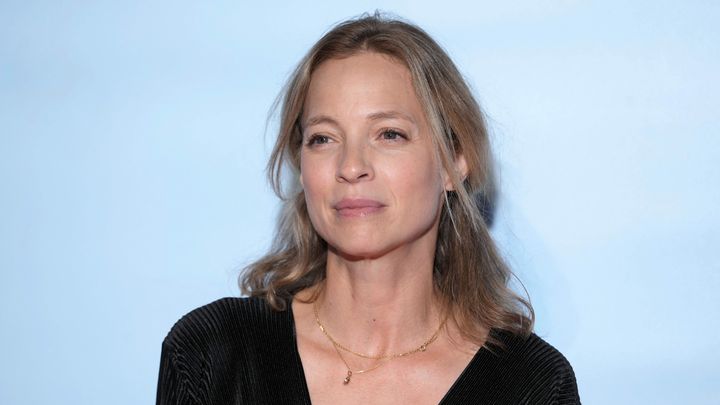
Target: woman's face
pixel 371 181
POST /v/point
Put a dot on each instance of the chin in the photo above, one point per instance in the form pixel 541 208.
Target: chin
pixel 359 252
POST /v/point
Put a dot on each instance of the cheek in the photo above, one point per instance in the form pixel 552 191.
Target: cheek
pixel 307 171
pixel 312 178
pixel 419 185
pixel 315 187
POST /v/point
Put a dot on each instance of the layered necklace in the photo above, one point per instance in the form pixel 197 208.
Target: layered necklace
pixel 381 358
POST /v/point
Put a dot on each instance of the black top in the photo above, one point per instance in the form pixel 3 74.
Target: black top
pixel 240 351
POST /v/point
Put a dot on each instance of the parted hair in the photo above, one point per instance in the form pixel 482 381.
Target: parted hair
pixel 470 276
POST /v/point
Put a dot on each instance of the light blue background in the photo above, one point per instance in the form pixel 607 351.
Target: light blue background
pixel 131 170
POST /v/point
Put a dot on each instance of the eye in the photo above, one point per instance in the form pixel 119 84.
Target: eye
pixel 317 139
pixel 391 134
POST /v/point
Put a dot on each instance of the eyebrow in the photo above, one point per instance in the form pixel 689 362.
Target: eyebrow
pixel 390 114
pixel 319 119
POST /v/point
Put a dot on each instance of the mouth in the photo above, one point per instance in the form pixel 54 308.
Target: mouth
pixel 357 207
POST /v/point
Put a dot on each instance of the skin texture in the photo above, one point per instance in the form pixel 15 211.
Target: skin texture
pixel 365 136
pixel 374 192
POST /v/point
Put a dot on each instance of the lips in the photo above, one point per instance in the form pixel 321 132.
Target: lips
pixel 357 207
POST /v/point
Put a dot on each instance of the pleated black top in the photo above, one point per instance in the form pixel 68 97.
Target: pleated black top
pixel 240 351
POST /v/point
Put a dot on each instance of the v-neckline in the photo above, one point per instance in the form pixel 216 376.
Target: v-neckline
pixel 481 352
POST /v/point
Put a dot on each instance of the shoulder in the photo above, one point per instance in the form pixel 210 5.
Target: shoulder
pixel 532 352
pixel 218 352
pixel 540 369
pixel 225 320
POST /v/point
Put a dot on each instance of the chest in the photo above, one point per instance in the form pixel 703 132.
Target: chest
pixel 389 387
pixel 416 381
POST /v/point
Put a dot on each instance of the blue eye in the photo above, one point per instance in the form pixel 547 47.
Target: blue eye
pixel 317 140
pixel 392 134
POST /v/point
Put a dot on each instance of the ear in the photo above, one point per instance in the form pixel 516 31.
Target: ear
pixel 461 169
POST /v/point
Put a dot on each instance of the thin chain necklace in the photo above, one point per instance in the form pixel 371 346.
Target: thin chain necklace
pixel 382 358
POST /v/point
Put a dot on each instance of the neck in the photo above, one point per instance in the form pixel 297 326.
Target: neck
pixel 382 305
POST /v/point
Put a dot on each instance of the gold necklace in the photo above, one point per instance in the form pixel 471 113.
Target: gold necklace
pixel 382 358
pixel 350 372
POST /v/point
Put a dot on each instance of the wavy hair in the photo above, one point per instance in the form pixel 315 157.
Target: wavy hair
pixel 469 273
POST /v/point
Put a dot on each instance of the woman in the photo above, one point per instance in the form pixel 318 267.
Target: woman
pixel 384 285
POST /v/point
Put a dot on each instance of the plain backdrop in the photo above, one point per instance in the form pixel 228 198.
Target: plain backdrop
pixel 132 153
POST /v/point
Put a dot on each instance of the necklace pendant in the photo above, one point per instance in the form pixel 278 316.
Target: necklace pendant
pixel 346 381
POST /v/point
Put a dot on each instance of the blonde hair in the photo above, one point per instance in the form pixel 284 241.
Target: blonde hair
pixel 469 273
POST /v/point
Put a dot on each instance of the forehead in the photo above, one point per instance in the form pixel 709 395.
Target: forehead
pixel 362 85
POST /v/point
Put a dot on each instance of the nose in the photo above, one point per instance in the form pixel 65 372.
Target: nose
pixel 354 164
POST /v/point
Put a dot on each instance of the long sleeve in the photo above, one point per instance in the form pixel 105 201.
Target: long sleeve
pixel 171 390
pixel 234 351
pixel 566 390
